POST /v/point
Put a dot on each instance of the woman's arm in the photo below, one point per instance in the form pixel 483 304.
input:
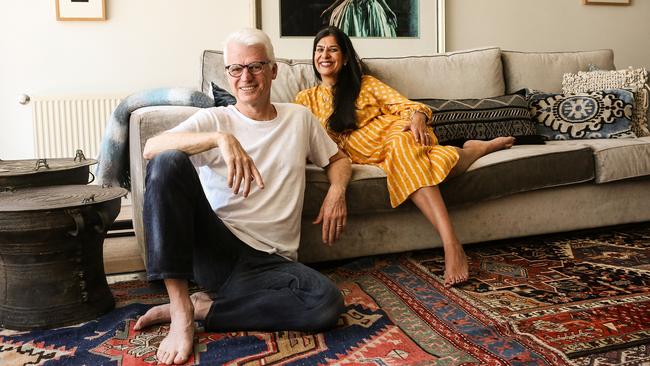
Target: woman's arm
pixel 392 102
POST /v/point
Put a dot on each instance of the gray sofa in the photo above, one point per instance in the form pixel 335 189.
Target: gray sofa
pixel 526 190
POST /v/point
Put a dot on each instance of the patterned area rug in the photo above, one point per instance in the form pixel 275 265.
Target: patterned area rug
pixel 580 298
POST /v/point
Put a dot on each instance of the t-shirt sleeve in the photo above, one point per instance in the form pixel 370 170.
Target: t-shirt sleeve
pixel 321 146
pixel 202 121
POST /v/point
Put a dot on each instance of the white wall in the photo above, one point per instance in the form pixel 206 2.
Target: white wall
pixel 552 25
pixel 158 43
pixel 143 44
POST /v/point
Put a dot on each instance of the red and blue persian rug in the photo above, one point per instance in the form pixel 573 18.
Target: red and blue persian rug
pixel 573 299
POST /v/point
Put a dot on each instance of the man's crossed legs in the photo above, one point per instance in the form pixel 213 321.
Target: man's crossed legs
pixel 252 290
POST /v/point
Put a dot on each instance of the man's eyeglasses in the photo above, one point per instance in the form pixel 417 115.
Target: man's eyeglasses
pixel 236 70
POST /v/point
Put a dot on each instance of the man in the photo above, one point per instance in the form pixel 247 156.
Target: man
pixel 234 227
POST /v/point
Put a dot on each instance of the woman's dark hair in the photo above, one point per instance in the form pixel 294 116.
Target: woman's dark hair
pixel 348 82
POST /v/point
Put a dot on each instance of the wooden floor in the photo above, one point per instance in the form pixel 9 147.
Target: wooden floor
pixel 122 254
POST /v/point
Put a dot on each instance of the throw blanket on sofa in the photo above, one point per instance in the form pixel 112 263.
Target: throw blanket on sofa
pixel 113 160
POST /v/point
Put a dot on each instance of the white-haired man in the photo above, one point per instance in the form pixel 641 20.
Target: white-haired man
pixel 234 227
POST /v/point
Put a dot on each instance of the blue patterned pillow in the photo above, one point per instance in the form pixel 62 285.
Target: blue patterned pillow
pixel 597 115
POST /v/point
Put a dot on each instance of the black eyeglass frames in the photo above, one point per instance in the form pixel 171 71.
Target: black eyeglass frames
pixel 236 70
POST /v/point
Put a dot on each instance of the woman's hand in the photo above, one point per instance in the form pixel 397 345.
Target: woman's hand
pixel 241 167
pixel 418 128
pixel 333 215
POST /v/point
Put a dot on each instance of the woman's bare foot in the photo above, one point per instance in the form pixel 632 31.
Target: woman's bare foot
pixel 490 146
pixel 456 267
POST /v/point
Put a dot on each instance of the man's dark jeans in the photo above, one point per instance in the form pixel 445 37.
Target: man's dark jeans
pixel 253 290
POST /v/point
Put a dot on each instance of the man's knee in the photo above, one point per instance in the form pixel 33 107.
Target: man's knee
pixel 326 314
pixel 167 163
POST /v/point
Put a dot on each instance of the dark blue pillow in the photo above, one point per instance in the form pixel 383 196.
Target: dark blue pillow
pixel 597 115
pixel 221 96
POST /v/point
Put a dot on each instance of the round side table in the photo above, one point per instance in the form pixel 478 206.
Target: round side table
pixel 51 254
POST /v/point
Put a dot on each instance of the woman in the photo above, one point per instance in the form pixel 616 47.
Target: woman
pixel 375 125
pixel 362 18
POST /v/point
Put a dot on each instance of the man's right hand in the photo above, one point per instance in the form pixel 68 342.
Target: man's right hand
pixel 241 167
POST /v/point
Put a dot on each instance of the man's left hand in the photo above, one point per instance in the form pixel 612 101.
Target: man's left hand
pixel 333 215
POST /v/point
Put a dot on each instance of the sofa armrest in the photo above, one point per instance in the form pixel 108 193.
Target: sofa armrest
pixel 145 123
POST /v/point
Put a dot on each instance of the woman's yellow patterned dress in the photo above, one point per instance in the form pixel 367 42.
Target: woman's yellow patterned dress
pixel 382 113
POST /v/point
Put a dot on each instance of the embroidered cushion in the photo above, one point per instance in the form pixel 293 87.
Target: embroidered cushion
pixel 631 79
pixel 455 121
pixel 603 114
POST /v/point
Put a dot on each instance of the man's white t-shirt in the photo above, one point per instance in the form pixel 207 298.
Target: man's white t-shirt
pixel 268 219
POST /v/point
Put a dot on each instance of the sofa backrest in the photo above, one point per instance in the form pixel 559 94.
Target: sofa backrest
pixel 544 70
pixel 477 73
pixel 466 74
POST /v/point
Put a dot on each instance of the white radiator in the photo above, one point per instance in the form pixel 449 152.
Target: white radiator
pixel 64 124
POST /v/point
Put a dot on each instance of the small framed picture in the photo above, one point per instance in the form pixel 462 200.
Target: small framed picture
pixel 80 10
pixel 607 2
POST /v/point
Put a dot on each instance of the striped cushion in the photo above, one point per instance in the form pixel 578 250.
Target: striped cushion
pixel 456 121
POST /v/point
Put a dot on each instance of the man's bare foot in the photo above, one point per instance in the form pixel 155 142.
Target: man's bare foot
pixel 155 315
pixel 490 146
pixel 456 267
pixel 202 303
pixel 179 342
pixel 160 314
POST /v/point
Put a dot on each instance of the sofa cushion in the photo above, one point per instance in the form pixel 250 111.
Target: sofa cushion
pixel 455 121
pixel 456 75
pixel 544 70
pixel 603 114
pixel 466 74
pixel 617 159
pixel 519 169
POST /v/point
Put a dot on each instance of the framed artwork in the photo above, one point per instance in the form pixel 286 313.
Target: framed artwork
pixel 377 27
pixel 607 2
pixel 80 10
